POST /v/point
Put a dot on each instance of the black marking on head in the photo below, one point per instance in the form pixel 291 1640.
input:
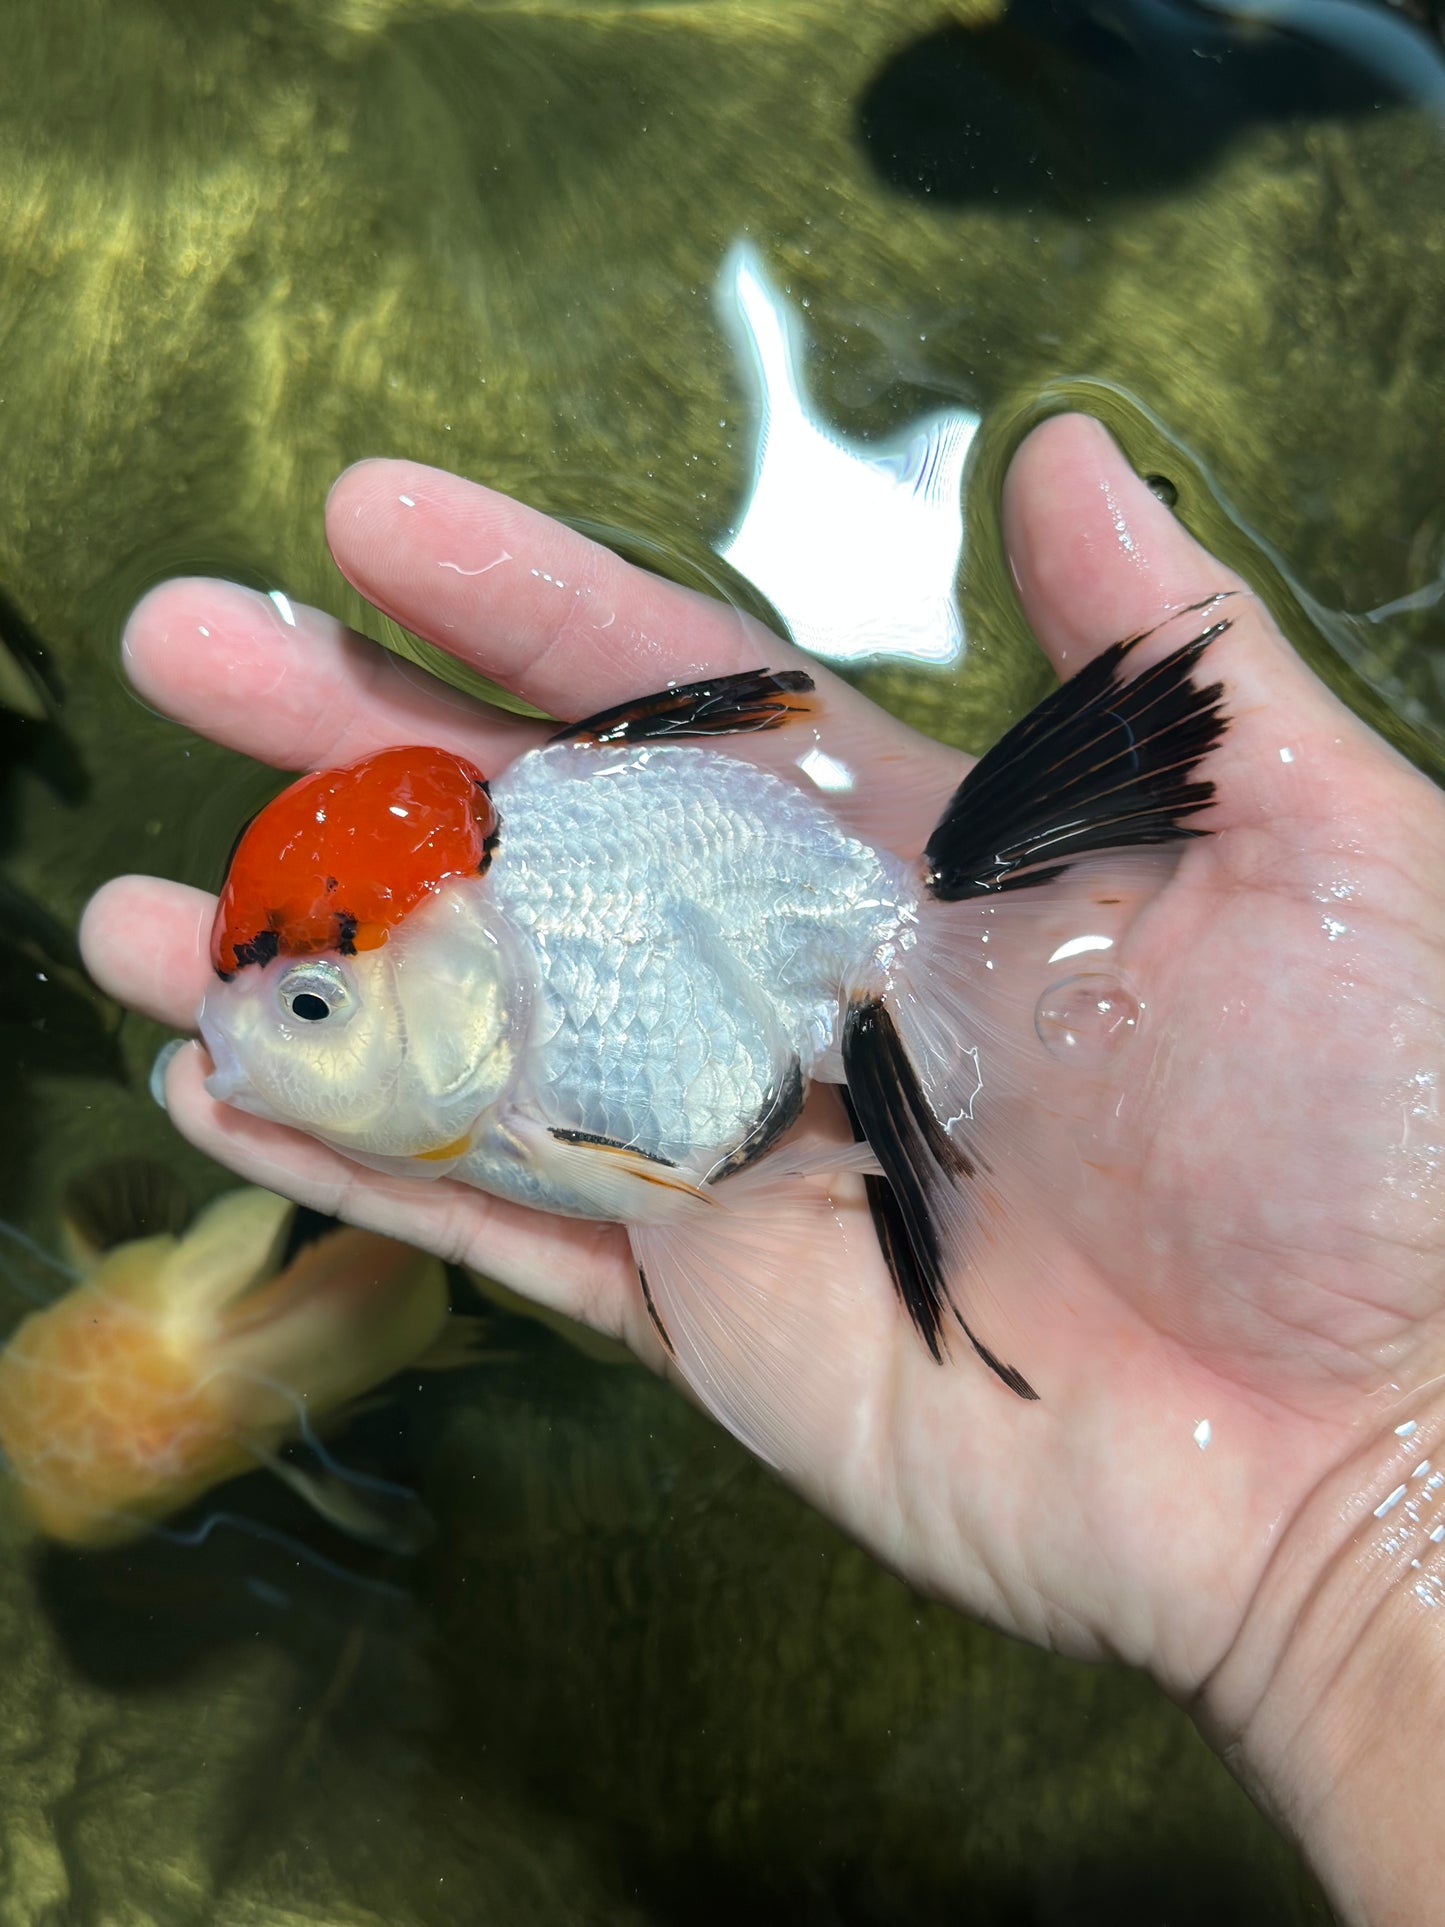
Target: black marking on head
pixel 263 948
pixel 490 846
pixel 330 885
pixel 889 1110
pixel 1103 763
pixel 346 933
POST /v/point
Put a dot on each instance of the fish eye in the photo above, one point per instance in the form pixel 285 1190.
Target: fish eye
pixel 316 992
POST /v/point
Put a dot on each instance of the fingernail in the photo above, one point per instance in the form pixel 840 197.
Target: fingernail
pixel 164 1057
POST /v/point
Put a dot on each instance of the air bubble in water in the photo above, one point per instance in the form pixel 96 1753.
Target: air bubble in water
pixel 1088 1018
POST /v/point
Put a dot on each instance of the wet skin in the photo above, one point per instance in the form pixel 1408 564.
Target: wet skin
pixel 1276 1258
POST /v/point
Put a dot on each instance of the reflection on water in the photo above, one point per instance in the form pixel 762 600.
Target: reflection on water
pixel 239 248
pixel 857 548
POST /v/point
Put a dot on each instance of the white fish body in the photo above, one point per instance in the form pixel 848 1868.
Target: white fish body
pixel 667 931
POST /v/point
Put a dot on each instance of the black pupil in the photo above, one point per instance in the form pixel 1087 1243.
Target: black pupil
pixel 310 1007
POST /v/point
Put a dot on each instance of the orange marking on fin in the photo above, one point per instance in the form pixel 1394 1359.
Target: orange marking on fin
pixel 753 699
pixel 637 1164
pixel 648 1169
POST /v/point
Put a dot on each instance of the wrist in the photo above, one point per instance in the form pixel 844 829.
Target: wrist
pixel 1330 1705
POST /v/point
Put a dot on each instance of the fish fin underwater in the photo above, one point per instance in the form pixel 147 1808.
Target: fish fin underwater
pixel 921 1165
pixel 374 1512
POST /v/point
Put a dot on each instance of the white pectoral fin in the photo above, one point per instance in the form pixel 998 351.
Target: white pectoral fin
pixel 756 1295
pixel 593 1176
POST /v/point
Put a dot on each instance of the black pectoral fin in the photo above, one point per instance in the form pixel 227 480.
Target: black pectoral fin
pixel 718 706
pixel 889 1109
pixel 1103 763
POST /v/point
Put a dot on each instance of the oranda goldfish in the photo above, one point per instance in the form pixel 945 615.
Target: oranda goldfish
pixel 176 1363
pixel 602 984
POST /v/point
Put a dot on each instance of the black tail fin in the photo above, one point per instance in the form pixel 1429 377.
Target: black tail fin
pixel 1101 764
pixel 921 1162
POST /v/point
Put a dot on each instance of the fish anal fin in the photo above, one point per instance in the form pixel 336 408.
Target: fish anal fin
pixel 752 700
pixel 1106 762
pixel 1010 1374
pixel 921 1166
pixel 761 1305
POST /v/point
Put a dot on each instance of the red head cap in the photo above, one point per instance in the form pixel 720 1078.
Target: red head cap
pixel 339 858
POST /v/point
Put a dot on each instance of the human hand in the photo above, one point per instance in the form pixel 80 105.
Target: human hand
pixel 1272 1258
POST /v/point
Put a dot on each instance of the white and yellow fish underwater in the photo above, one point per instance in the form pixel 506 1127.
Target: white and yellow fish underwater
pixel 175 1363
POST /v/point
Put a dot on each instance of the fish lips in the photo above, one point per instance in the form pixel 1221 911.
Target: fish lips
pixel 227 1082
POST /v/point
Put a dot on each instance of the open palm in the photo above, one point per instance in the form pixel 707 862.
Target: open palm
pixel 1219 1315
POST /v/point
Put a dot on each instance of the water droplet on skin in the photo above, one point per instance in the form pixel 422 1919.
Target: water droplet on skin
pixel 1088 1018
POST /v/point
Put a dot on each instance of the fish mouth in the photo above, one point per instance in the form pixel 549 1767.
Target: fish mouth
pixel 227 1080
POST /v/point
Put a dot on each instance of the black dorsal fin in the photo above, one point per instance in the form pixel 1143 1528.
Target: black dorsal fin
pixel 889 1109
pixel 717 706
pixel 1103 763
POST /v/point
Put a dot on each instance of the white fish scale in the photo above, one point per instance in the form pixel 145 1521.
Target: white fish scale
pixel 693 920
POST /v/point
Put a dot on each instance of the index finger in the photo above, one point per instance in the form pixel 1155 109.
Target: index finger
pixel 551 615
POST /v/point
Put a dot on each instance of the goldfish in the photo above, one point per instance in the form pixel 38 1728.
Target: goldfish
pixel 176 1362
pixel 603 983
